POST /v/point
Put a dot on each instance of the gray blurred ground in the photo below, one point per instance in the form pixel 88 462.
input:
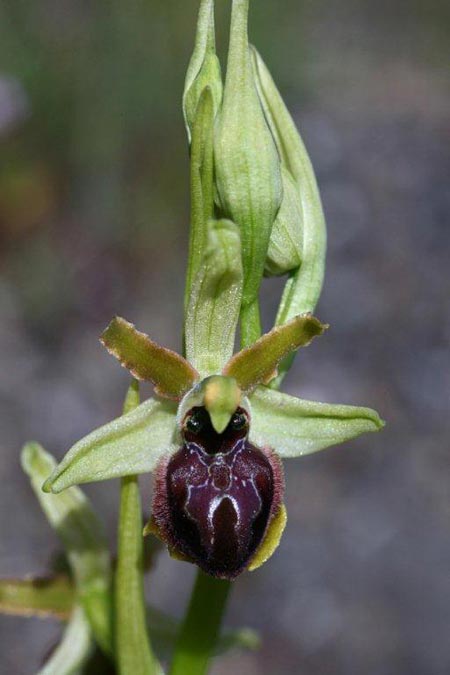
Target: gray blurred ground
pixel 93 213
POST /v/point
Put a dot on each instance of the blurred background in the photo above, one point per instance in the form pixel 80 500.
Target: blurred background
pixel 94 221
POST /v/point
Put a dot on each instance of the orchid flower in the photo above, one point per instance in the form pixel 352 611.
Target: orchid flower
pixel 214 433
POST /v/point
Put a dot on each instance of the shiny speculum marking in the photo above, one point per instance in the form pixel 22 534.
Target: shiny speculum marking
pixel 217 494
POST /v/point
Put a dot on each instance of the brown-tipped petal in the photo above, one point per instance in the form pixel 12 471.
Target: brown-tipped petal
pixel 172 375
pixel 257 364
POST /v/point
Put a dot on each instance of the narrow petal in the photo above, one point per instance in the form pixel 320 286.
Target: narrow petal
pixel 170 373
pixel 257 364
pixel 72 517
pixel 37 597
pixel 215 301
pixel 128 445
pixel 74 649
pixel 294 427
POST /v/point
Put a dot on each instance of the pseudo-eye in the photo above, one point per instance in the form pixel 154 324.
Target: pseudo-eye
pixel 215 497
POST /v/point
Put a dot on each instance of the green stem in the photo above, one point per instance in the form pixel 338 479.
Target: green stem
pixel 133 650
pixel 201 173
pixel 250 324
pixel 200 629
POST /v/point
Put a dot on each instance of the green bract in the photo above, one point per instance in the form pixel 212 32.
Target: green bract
pixel 303 288
pixel 213 308
pixel 286 240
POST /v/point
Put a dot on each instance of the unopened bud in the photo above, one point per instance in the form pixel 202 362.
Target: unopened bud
pixel 204 67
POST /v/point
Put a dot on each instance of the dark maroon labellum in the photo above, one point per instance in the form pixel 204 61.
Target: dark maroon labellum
pixel 215 497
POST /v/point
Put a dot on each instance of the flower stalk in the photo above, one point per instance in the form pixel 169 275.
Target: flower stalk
pixel 201 626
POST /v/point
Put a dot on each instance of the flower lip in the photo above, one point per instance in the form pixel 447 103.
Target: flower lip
pixel 215 497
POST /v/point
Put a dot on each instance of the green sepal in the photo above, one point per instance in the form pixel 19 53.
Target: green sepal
pixel 215 301
pixel 74 650
pixel 72 517
pixel 286 240
pixel 43 597
pixel 130 444
pixel 294 427
pixel 248 173
pixel 257 364
pixel 303 289
pixel 204 67
pixel 168 371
